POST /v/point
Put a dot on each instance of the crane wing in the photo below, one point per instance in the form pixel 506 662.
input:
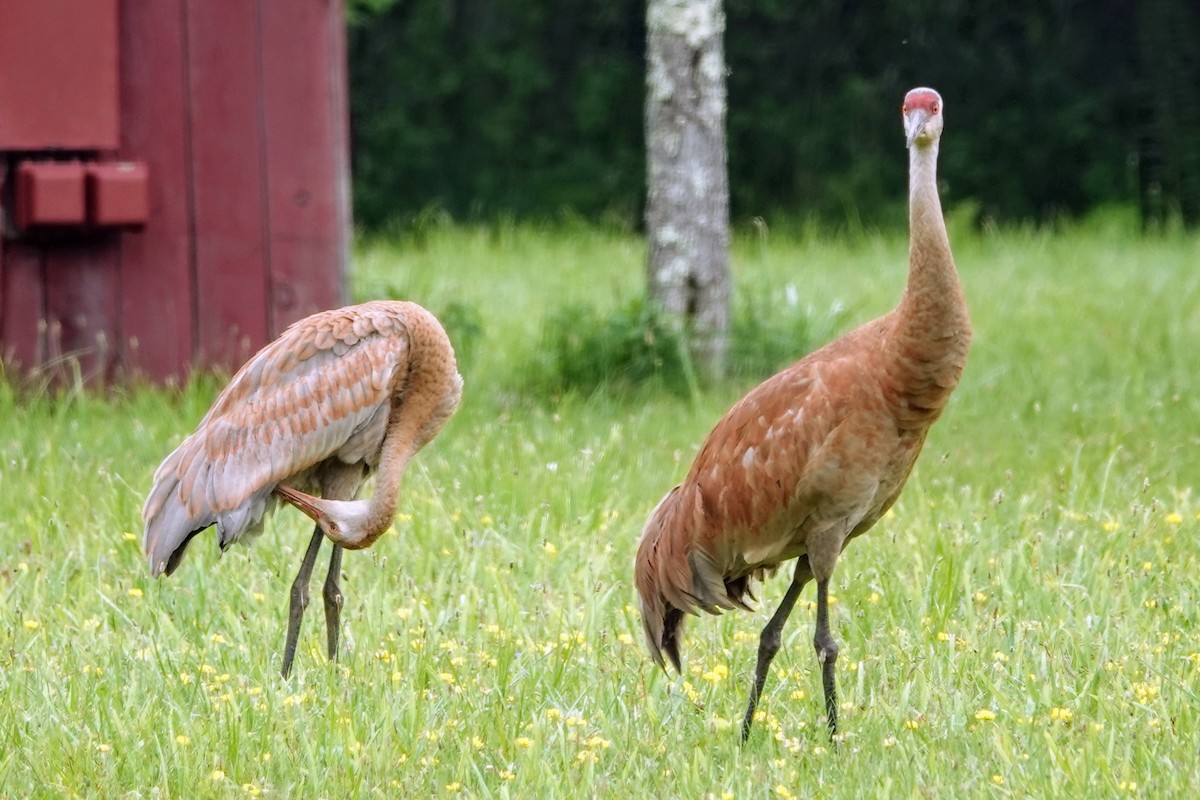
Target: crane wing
pixel 322 389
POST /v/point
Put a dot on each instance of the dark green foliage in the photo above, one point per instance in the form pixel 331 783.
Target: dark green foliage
pixel 491 107
pixel 484 107
pixel 772 330
pixel 464 326
pixel 585 349
pixel 1169 102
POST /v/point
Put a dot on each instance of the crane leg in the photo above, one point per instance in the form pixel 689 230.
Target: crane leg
pixel 827 653
pixel 300 599
pixel 333 602
pixel 768 642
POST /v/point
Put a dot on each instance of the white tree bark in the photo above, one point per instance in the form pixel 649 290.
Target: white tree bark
pixel 687 204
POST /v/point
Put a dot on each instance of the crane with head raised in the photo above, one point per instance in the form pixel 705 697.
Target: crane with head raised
pixel 338 396
pixel 813 456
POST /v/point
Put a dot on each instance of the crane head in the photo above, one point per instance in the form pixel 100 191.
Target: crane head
pixel 922 112
pixel 345 522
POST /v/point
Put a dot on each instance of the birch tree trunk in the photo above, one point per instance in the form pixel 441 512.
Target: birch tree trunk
pixel 687 204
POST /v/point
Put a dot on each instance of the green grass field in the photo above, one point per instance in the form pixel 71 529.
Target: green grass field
pixel 1025 622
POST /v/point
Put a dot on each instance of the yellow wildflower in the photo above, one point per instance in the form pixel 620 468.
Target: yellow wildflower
pixel 717 674
pixel 1145 692
pixel 985 715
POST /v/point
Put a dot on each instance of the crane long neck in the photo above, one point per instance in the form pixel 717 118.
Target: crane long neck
pixel 398 448
pixel 931 330
pixel 425 399
pixel 932 278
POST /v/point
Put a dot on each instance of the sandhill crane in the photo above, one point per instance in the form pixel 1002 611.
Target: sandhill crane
pixel 813 456
pixel 337 396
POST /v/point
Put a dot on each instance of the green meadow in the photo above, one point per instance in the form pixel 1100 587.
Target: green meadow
pixel 1025 622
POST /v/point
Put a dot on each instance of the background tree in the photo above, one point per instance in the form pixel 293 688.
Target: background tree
pixel 687 181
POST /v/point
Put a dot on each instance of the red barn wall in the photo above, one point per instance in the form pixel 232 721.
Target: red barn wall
pixel 238 110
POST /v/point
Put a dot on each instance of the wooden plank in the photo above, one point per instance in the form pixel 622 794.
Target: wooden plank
pixel 157 273
pixel 229 212
pixel 82 302
pixel 23 309
pixel 58 74
pixel 307 176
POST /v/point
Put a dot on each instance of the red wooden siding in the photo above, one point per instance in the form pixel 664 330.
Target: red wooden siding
pixel 23 309
pixel 305 103
pixel 224 80
pixel 158 318
pixel 238 110
pixel 58 67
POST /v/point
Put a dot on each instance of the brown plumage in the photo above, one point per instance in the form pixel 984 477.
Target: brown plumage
pixel 338 396
pixel 815 455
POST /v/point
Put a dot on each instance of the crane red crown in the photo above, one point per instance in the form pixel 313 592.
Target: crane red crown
pixel 922 97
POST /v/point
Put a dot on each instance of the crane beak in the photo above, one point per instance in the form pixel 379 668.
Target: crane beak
pixel 304 502
pixel 914 123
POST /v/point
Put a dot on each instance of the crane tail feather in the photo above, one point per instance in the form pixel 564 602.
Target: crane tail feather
pixel 169 528
pixel 672 634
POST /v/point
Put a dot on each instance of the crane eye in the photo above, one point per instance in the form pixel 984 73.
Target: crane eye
pixel 904 109
pixel 935 108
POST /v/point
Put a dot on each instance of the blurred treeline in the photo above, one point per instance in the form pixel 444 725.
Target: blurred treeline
pixel 529 108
